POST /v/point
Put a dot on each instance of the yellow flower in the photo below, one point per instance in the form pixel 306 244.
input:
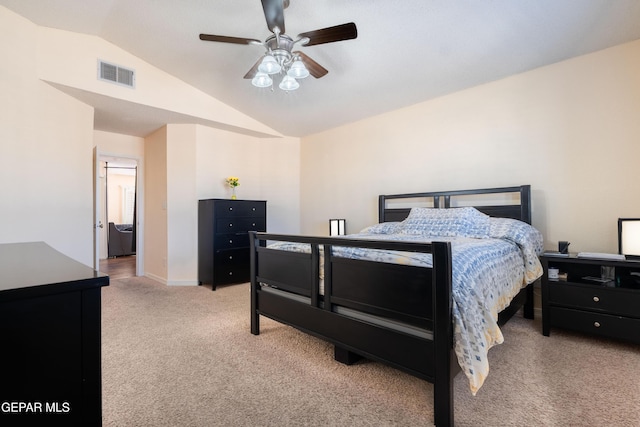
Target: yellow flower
pixel 233 181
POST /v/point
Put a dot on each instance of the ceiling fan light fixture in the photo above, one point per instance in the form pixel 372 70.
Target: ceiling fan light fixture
pixel 279 57
pixel 269 65
pixel 288 83
pixel 261 80
pixel 298 70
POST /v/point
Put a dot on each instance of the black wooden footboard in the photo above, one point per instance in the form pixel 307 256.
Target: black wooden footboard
pixel 398 315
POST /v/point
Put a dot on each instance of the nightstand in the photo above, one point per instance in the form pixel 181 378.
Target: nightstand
pixel 595 296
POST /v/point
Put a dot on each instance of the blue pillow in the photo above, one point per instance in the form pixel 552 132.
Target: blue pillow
pixel 452 222
pixel 382 228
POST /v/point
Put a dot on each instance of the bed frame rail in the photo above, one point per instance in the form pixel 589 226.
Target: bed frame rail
pixel 519 208
pixel 405 290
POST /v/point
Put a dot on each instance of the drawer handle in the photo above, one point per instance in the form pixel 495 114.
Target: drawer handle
pixel 253 225
pixel 596 299
pixel 253 209
pixel 230 208
pixel 230 225
pixel 231 273
pixel 230 241
pixel 230 256
pixel 596 324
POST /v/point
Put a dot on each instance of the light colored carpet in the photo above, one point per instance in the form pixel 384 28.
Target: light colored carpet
pixel 184 356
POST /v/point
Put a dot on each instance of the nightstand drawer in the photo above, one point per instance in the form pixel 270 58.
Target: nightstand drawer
pixel 611 300
pixel 596 323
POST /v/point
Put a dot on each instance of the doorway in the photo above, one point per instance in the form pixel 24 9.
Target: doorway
pixel 119 268
pixel 118 192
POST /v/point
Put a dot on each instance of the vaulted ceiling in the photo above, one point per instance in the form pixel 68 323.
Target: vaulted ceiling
pixel 406 52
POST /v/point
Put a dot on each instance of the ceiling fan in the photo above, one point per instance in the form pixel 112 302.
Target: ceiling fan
pixel 280 56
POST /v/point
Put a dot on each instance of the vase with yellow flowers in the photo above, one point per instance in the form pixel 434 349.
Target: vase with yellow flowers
pixel 233 182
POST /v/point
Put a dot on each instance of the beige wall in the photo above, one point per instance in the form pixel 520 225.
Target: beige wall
pixel 269 169
pixel 118 145
pixel 185 163
pixel 155 205
pixel 71 59
pixel 182 205
pixel 46 138
pixel 116 190
pixel 571 130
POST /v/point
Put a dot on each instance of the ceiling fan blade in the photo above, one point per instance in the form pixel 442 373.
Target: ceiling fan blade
pixel 274 14
pixel 331 34
pixel 252 72
pixel 315 69
pixel 227 39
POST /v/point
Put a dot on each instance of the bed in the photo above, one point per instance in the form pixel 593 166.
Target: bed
pixel 407 297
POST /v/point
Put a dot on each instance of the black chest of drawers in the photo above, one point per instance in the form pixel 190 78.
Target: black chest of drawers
pixel 223 239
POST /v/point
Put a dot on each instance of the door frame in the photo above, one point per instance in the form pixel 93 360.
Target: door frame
pixel 100 156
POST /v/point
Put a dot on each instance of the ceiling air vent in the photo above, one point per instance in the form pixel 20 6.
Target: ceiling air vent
pixel 116 74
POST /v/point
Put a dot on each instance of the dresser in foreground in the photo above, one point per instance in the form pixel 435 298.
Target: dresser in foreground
pixel 50 329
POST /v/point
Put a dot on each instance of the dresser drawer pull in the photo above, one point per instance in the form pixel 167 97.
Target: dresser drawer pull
pixel 231 273
pixel 596 299
pixel 230 208
pixel 230 224
pixel 230 256
pixel 253 209
pixel 253 225
pixel 230 241
pixel 596 324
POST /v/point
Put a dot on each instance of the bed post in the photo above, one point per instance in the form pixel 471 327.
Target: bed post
pixel 525 203
pixel 255 317
pixel 381 207
pixel 528 304
pixel 443 335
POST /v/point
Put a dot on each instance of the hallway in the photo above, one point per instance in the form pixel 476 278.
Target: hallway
pixel 120 267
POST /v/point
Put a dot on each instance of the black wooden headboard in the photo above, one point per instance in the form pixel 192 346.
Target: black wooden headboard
pixel 519 206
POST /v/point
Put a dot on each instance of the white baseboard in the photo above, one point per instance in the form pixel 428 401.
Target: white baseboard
pixel 172 282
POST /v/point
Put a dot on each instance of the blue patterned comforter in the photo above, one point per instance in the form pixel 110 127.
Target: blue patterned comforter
pixel 487 273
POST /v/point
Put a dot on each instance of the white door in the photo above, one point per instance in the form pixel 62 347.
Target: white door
pixel 97 212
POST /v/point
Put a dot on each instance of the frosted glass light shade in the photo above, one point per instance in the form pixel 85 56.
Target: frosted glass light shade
pixel 269 65
pixel 289 83
pixel 337 227
pixel 298 70
pixel 629 237
pixel 261 80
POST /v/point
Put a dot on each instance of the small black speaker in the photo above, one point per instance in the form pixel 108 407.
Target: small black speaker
pixel 563 247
